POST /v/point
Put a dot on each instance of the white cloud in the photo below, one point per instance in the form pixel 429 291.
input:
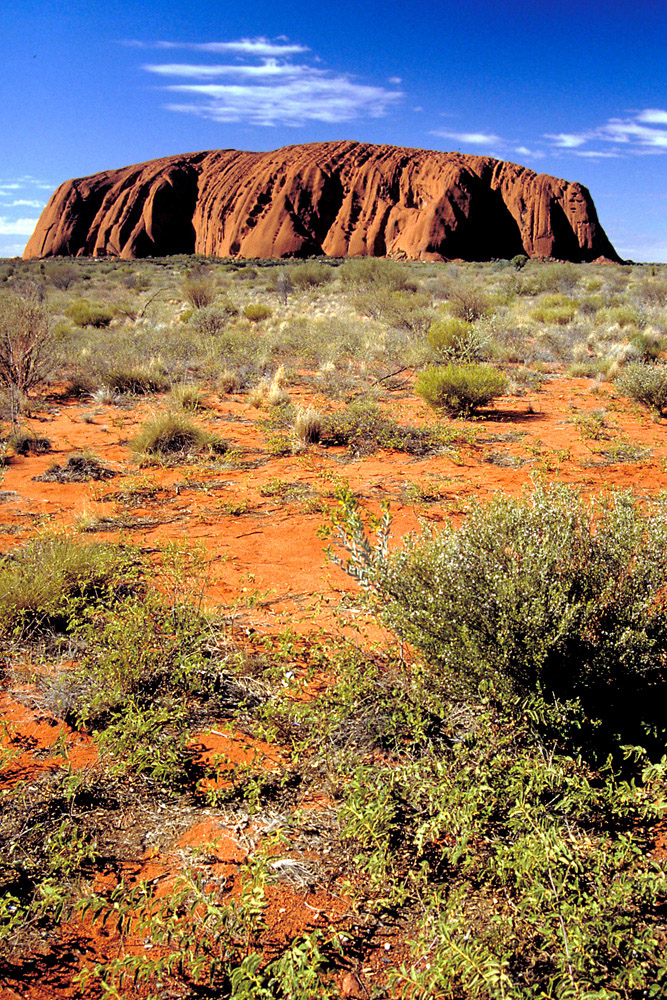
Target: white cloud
pixel 595 154
pixel 270 68
pixel 638 134
pixel 395 80
pixel 654 116
pixel 567 140
pixel 22 202
pixel 474 138
pixel 272 90
pixel 260 47
pixel 16 227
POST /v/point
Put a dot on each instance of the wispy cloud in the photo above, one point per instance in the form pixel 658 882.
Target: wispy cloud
pixel 261 47
pixel 638 134
pixel 16 227
pixel 267 86
pixel 472 138
pixel 22 203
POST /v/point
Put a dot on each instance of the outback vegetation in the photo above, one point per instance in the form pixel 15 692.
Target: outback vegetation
pixel 333 630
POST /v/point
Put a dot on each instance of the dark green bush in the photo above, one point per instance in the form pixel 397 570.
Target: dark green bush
pixel 646 384
pixel 85 313
pixel 173 434
pixel 455 340
pixel 256 312
pixel 363 428
pixel 199 291
pixel 26 442
pixel 310 274
pixel 41 582
pixel 379 272
pixel 544 594
pixel 460 389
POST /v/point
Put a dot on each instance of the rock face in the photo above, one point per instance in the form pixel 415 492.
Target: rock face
pixel 333 198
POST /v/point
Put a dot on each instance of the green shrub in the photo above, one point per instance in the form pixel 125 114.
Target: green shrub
pixel 84 313
pixel 256 312
pixel 467 301
pixel 621 316
pixel 189 398
pixel 401 310
pixel 311 274
pixel 519 261
pixel 136 380
pixel 460 389
pixel 363 428
pixel 648 344
pixel 26 442
pixel 646 384
pixel 557 309
pixel 199 291
pixel 543 595
pixel 377 271
pixel 455 340
pixel 212 320
pixel 61 274
pixel 172 434
pixel 41 583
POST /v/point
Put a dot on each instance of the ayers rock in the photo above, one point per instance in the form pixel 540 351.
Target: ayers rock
pixel 333 198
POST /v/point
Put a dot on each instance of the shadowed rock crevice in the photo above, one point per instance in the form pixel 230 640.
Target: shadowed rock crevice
pixel 334 198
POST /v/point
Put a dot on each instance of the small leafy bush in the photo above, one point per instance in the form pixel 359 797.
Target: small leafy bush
pixel 542 595
pixel 557 309
pixel 376 271
pixel 646 384
pixel 210 321
pixel 173 434
pixel 455 340
pixel 256 312
pixel 26 442
pixel 363 427
pixel 467 301
pixel 84 313
pixel 135 380
pixel 460 389
pixel 42 582
pixel 311 274
pixel 199 291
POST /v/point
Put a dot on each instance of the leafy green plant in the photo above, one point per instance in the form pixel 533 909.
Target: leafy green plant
pixel 310 274
pixel 172 434
pixel 556 308
pixel 83 313
pixel 646 384
pixel 545 595
pixel 454 339
pixel 44 583
pixel 363 427
pixel 256 312
pixel 460 389
pixel 198 290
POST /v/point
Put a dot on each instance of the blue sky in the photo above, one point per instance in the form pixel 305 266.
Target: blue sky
pixel 578 90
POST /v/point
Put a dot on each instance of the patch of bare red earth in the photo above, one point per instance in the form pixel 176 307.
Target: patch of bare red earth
pixel 268 564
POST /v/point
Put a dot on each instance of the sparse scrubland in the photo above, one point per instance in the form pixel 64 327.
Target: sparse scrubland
pixel 334 631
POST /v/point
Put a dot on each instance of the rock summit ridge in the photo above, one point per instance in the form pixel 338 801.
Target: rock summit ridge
pixel 331 198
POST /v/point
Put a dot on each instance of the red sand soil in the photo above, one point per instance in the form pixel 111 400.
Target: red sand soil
pixel 269 569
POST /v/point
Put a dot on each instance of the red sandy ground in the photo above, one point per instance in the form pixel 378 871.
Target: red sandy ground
pixel 268 564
